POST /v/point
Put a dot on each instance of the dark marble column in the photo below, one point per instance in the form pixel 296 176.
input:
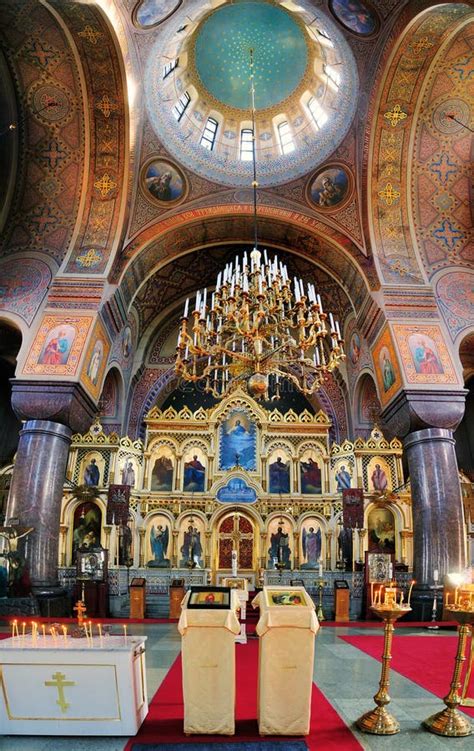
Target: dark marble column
pixel 52 411
pixel 426 420
pixel 35 496
pixel 437 503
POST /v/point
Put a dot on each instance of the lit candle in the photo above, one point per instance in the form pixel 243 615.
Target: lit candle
pixel 13 629
pixel 371 593
pixel 435 575
pixel 99 626
pixel 125 631
pixel 409 592
pixel 447 599
pixel 186 308
pixel 23 628
pixel 43 628
pixel 64 628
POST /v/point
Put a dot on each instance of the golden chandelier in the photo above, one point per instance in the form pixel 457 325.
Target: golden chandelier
pixel 256 331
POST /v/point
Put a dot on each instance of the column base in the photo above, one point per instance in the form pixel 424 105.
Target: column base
pixel 422 605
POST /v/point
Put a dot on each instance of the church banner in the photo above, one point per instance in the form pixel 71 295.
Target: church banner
pixel 117 504
pixel 353 507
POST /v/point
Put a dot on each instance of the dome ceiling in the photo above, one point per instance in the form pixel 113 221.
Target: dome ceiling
pixel 222 45
pixel 197 74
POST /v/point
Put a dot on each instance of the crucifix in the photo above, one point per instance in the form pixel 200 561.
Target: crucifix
pixel 59 682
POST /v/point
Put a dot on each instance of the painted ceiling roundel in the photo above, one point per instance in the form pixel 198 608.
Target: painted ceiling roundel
pixel 222 54
pixel 198 88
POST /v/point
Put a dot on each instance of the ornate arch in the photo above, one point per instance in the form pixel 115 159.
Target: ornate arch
pixel 402 139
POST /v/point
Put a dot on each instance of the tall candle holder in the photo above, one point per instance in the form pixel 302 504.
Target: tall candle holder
pixel 320 583
pixel 379 721
pixel 437 588
pixel 450 721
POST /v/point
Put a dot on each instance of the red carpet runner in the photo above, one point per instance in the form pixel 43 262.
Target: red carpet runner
pixel 164 722
pixel 425 660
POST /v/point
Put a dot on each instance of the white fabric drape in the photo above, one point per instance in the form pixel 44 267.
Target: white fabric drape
pixel 286 655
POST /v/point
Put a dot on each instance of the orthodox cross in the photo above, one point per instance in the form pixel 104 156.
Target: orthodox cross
pixel 236 536
pixel 59 682
pixel 80 609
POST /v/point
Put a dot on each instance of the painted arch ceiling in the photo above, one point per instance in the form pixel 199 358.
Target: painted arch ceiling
pixel 86 84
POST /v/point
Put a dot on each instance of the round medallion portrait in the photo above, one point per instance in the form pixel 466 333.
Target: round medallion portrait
pixel 329 188
pixel 163 182
pixel 149 13
pixel 356 16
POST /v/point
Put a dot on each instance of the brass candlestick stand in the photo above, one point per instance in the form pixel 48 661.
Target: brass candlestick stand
pixel 450 722
pixel 320 583
pixel 379 721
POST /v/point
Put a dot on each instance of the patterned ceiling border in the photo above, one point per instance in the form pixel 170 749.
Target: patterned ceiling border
pixel 108 155
pixel 179 233
pixel 390 146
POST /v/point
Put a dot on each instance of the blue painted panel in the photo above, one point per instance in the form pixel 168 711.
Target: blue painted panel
pixel 236 491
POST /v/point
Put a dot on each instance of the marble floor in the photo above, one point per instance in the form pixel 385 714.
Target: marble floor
pixel 346 676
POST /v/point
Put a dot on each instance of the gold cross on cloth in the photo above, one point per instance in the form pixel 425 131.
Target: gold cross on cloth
pixel 60 683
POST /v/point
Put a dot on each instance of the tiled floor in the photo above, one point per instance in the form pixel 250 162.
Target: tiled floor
pixel 347 677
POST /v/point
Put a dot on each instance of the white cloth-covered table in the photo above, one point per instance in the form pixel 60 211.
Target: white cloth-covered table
pixel 65 686
pixel 286 655
pixel 208 652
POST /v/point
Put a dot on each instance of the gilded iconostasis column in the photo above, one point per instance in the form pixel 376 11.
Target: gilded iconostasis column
pixel 141 533
pixel 263 551
pixel 207 552
pixel 296 555
pixel 329 550
pixel 174 561
pixel 63 544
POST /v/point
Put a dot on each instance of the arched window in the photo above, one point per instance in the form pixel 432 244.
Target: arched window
pixel 333 75
pixel 169 67
pixel 246 144
pixel 181 105
pixel 317 113
pixel 208 137
pixel 287 144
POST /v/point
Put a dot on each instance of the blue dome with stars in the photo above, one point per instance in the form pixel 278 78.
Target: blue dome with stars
pixel 222 54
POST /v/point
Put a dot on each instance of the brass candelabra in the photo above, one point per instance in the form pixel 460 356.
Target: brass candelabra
pixel 379 721
pixel 450 721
